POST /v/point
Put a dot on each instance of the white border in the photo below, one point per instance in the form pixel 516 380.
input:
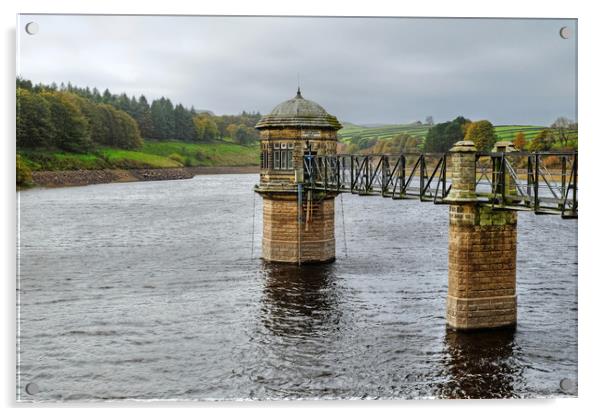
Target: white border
pixel 590 272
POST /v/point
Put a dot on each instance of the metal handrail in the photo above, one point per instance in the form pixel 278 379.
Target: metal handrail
pixel 395 176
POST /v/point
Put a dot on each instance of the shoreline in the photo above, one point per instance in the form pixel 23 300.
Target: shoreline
pixel 65 178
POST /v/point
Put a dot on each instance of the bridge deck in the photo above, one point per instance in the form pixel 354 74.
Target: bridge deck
pixel 542 182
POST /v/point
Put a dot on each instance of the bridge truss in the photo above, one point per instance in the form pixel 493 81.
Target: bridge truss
pixel 542 182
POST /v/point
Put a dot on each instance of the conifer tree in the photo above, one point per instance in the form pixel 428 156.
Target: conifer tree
pixel 144 119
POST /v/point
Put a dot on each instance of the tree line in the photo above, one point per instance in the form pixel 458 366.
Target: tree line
pixel 62 120
pixel 77 119
pixel 560 135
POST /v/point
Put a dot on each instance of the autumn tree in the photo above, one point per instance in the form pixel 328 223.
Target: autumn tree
pixel 482 134
pixel 541 142
pixel 519 141
pixel 206 129
pixel 403 143
pixel 353 148
pixel 241 134
pixel 410 144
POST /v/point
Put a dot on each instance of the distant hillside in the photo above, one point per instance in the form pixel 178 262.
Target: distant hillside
pixel 352 132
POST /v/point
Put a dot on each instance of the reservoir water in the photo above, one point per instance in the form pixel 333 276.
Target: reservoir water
pixel 148 290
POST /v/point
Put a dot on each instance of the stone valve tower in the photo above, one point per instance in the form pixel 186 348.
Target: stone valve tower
pixel 298 224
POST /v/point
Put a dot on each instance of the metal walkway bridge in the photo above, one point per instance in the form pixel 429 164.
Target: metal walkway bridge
pixel 542 182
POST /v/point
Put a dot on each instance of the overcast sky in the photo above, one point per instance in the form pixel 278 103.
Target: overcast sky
pixel 362 70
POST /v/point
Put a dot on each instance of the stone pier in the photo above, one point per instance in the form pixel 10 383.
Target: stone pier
pixel 482 252
pixel 288 241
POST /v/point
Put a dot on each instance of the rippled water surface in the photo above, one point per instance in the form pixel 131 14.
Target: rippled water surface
pixel 148 291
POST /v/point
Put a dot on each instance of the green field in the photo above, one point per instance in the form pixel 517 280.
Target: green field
pixel 351 131
pixel 509 132
pixel 153 154
pixel 206 154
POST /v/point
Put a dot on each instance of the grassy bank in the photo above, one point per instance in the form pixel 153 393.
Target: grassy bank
pixel 153 154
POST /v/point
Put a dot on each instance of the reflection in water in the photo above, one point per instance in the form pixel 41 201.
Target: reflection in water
pixel 480 364
pixel 298 341
pixel 299 301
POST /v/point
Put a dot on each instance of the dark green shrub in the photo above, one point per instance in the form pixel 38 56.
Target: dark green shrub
pixel 24 177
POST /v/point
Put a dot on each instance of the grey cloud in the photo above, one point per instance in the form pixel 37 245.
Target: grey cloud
pixel 364 70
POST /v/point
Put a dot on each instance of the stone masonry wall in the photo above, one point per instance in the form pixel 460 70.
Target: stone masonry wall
pixel 482 267
pixel 281 231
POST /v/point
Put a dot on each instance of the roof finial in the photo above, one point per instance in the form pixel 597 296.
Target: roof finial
pixel 298 86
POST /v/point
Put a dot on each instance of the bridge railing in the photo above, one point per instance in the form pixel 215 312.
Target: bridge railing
pixel 543 182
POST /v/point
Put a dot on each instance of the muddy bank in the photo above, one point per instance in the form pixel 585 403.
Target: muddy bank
pixel 53 179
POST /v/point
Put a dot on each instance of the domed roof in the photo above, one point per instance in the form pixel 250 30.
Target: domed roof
pixel 299 112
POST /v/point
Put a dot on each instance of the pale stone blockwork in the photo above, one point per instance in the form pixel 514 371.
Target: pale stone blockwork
pixel 281 231
pixel 482 253
pixel 482 267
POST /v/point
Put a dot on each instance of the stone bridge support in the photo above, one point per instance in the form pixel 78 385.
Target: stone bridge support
pixel 482 252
